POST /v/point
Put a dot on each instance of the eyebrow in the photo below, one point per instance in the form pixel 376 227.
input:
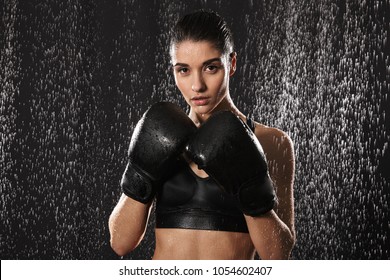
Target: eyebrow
pixel 216 59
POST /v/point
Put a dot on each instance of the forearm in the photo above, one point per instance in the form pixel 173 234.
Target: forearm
pixel 272 238
pixel 127 224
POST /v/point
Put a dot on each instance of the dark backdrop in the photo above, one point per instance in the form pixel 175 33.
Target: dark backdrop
pixel 77 75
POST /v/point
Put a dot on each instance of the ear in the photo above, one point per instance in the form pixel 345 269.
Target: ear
pixel 233 63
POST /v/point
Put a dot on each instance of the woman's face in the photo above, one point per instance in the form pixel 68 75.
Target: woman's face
pixel 202 74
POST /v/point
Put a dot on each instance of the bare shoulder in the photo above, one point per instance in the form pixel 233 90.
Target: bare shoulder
pixel 275 142
pixel 279 151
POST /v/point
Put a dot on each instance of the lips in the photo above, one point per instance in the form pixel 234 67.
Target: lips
pixel 200 100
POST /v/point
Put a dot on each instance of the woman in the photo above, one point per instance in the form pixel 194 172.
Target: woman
pixel 203 61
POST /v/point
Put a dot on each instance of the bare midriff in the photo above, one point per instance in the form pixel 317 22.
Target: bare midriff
pixel 185 244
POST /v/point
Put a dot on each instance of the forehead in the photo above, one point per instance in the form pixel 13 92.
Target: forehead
pixel 192 52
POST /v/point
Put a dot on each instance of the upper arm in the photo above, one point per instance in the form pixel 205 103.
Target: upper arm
pixel 279 151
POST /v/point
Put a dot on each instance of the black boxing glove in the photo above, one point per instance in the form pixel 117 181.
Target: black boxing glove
pixel 158 140
pixel 226 148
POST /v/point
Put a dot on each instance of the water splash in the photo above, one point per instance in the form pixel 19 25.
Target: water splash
pixel 77 76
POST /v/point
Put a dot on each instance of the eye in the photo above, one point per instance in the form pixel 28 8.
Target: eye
pixel 182 70
pixel 211 68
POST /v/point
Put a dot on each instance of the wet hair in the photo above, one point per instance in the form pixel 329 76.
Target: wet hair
pixel 204 25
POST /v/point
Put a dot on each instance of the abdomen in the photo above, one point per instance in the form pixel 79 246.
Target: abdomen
pixel 202 244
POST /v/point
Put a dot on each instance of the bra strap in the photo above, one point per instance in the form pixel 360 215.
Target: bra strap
pixel 251 123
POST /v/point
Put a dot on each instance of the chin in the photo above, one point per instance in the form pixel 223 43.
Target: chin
pixel 207 109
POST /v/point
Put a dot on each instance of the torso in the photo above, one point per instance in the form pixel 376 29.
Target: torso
pixel 202 244
pixel 175 243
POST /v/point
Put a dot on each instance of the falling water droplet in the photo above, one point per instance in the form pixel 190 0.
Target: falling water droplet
pixel 77 78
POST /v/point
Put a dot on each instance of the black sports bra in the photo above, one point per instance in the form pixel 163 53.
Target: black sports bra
pixel 188 201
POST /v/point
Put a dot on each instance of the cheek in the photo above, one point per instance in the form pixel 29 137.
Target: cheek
pixel 181 85
pixel 217 83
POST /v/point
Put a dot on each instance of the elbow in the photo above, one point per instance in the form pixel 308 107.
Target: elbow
pixel 289 245
pixel 122 249
pixel 285 248
pixel 285 251
pixel 293 239
pixel 123 243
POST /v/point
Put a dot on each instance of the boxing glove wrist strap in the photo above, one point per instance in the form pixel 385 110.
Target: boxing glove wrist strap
pixel 257 196
pixel 137 186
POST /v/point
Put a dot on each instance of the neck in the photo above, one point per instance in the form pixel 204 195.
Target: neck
pixel 226 104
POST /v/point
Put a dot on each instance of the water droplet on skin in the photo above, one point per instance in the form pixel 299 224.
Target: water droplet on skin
pixel 75 82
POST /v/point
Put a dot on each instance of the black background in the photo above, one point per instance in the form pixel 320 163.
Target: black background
pixel 77 75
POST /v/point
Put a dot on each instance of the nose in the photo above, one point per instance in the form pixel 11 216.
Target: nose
pixel 198 84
